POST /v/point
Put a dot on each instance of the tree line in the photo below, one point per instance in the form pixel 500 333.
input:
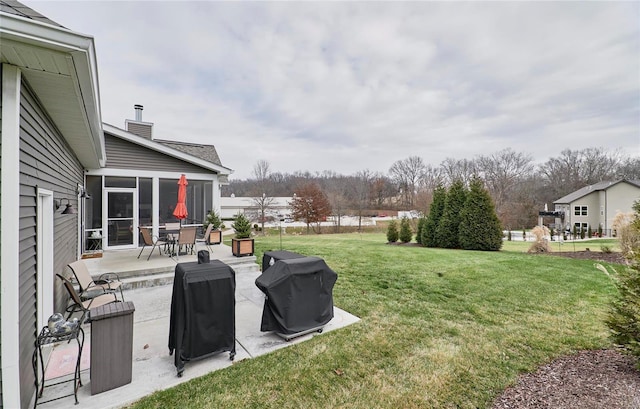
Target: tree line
pixel 518 187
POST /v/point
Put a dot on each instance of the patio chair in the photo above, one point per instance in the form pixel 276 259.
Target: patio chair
pixel 77 304
pixel 207 237
pixel 149 240
pixel 89 288
pixel 172 230
pixel 186 238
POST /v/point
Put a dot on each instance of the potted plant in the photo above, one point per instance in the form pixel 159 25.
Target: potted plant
pixel 242 244
pixel 215 237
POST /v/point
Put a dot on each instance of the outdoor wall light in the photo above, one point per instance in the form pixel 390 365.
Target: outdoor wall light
pixel 69 207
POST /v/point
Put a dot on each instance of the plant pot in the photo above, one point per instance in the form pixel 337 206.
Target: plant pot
pixel 215 237
pixel 242 247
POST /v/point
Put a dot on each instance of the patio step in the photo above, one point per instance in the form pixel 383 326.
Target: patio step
pixel 163 275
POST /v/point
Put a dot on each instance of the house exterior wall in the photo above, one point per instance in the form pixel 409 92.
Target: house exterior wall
pixel 126 155
pixel 593 206
pixel 619 198
pixel 46 161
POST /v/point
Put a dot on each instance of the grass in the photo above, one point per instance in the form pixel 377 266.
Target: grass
pixel 439 329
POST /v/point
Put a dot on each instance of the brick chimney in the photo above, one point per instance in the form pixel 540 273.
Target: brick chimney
pixel 137 127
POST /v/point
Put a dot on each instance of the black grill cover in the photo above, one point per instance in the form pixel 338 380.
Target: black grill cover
pixel 299 295
pixel 269 258
pixel 202 318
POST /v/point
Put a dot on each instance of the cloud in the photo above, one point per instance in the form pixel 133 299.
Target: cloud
pixel 349 86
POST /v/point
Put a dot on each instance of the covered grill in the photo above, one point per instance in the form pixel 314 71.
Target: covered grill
pixel 202 321
pixel 299 296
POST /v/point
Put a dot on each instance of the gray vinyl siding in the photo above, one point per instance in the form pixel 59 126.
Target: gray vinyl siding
pixel 122 154
pixel 143 130
pixel 46 161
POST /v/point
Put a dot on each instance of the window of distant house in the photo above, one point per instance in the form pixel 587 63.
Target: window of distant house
pixel 584 210
pixel 580 210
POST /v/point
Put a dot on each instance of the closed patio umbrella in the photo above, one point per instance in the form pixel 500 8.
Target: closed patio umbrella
pixel 180 212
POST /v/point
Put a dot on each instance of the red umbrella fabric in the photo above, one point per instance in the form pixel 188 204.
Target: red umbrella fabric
pixel 180 212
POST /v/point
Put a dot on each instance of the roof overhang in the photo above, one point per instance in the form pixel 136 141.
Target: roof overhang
pixel 61 67
pixel 158 147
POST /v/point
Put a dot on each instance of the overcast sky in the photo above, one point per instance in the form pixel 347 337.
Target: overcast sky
pixel 348 86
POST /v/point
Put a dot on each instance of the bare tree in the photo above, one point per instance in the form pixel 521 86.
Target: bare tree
pixel 262 193
pixel 264 208
pixel 574 169
pixel 361 192
pixel 457 169
pixel 629 169
pixel 407 174
pixel 501 172
pixel 382 190
pixel 335 189
pixel 261 170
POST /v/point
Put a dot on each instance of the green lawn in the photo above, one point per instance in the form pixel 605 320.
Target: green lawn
pixel 439 329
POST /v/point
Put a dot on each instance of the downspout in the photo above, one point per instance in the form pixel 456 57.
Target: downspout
pixel 606 213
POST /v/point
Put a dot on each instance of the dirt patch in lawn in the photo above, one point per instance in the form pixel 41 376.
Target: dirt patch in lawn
pixel 613 257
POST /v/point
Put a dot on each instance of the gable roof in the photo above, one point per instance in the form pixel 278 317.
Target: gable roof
pixel 571 197
pixel 60 66
pixel 164 148
pixel 205 152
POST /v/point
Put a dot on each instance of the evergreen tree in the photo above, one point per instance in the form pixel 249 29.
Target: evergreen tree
pixel 392 232
pixel 435 214
pixel 242 226
pixel 212 218
pixel 447 230
pixel 624 318
pixel 405 230
pixel 479 227
pixel 419 229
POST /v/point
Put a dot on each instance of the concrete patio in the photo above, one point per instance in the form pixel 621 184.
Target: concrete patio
pixel 148 286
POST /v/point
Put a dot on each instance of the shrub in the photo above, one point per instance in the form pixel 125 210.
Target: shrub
pixel 392 232
pixel 447 233
pixel 624 319
pixel 214 219
pixel 429 237
pixel 509 235
pixel 242 226
pixel 540 243
pixel 420 228
pixel 629 237
pixel 606 249
pixel 405 230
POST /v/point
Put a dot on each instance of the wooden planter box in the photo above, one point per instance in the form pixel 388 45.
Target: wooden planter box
pixel 215 237
pixel 242 247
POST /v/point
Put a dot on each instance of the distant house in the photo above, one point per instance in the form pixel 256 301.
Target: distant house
pixel 231 206
pixel 595 206
pixel 55 153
